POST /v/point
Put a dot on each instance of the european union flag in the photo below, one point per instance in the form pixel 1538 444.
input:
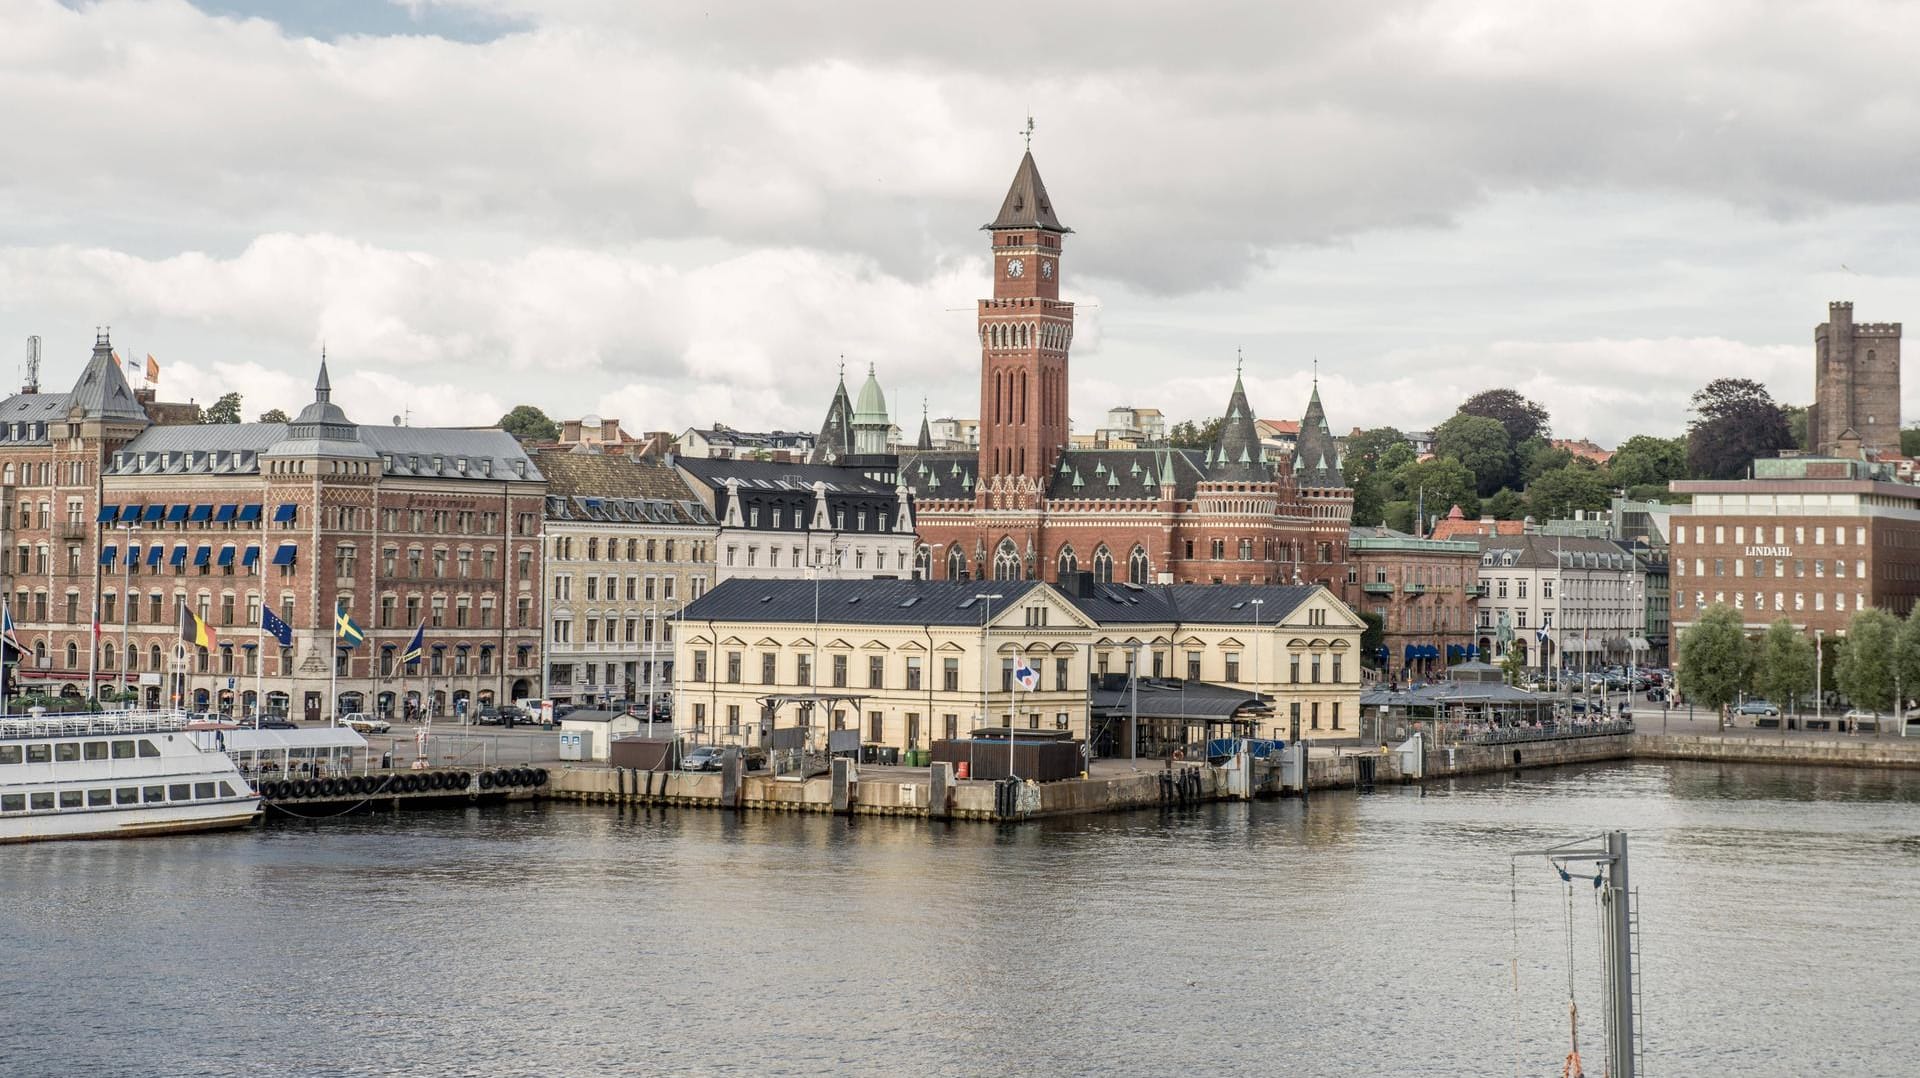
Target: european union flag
pixel 411 653
pixel 271 624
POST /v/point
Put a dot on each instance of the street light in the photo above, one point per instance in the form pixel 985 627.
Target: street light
pixel 985 707
pixel 126 583
pixel 1256 604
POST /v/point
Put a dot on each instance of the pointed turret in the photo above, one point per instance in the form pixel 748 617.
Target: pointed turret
pixel 925 441
pixel 1236 454
pixel 870 422
pixel 1027 204
pixel 835 443
pixel 1316 456
pixel 102 391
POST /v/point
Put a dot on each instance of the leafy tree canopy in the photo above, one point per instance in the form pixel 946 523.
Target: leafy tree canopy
pixel 1797 425
pixel 274 415
pixel 1714 658
pixel 1644 460
pixel 1523 418
pixel 1481 445
pixel 224 410
pixel 1735 420
pixel 1445 482
pixel 1909 441
pixel 1543 458
pixel 1187 434
pixel 1865 669
pixel 1783 664
pixel 1504 505
pixel 1370 452
pixel 1556 494
pixel 529 424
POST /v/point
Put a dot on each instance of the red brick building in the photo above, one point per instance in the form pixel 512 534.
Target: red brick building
pixel 404 526
pixel 1025 506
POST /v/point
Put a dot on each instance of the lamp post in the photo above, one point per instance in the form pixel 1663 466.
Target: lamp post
pixel 126 583
pixel 1256 604
pixel 985 707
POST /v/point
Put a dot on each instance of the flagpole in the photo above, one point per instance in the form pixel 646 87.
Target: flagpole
pixel 260 640
pixel 93 651
pixel 333 670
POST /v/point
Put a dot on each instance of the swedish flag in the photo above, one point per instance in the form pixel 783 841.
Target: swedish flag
pixel 411 653
pixel 345 632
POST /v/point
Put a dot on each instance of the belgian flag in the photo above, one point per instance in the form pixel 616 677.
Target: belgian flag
pixel 193 630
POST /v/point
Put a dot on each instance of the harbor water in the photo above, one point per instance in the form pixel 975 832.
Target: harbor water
pixel 1349 934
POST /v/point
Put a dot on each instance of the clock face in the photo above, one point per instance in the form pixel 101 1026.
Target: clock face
pixel 1015 267
pixel 1046 270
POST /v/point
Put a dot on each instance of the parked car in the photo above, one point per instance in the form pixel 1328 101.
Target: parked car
pixel 487 716
pixel 267 722
pixel 703 758
pixel 362 723
pixel 510 716
pixel 1757 707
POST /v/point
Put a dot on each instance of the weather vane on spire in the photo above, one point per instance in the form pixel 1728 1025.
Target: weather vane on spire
pixel 1239 361
pixel 1316 370
pixel 1027 131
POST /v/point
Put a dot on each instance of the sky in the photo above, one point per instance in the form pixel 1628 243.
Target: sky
pixel 679 214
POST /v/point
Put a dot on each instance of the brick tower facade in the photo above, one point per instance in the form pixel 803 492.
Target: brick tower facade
pixel 1024 334
pixel 1856 384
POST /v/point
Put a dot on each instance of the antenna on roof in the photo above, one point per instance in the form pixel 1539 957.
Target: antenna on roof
pixel 33 365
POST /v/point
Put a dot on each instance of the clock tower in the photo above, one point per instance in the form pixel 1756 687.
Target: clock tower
pixel 1025 332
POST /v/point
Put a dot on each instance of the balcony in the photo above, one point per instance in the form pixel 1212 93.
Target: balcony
pixel 1478 591
pixel 1377 587
pixel 1415 589
pixel 70 531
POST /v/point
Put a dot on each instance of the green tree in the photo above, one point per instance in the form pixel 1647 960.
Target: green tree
pixel 1370 496
pixel 1556 494
pixel 1373 637
pixel 1783 664
pixel 1479 443
pixel 1909 442
pixel 224 410
pixel 1441 483
pixel 1187 434
pixel 529 424
pixel 274 415
pixel 1514 666
pixel 1397 515
pixel 1715 660
pixel 1907 658
pixel 1522 418
pixel 1797 425
pixel 1504 505
pixel 1864 671
pixel 1372 452
pixel 1735 420
pixel 1644 460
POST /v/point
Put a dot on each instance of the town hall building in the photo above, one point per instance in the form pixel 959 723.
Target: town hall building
pixel 1027 506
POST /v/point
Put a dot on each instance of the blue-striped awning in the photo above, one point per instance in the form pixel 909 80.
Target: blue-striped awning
pixel 252 555
pixel 283 513
pixel 203 556
pixel 154 554
pixel 285 555
pixel 107 514
pixel 108 553
pixel 154 514
pixel 226 556
pixel 250 513
pixel 201 514
pixel 225 514
pixel 179 554
pixel 176 513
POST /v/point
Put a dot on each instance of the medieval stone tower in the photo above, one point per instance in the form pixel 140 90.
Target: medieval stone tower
pixel 1856 384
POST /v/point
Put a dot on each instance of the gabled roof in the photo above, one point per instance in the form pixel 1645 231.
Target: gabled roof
pixel 1316 456
pixel 1123 474
pixel 1027 204
pixel 836 431
pixel 1237 454
pixel 1209 604
pixel 945 475
pixel 854 602
pixel 102 391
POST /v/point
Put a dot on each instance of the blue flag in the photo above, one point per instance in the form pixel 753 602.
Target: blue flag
pixel 415 646
pixel 271 624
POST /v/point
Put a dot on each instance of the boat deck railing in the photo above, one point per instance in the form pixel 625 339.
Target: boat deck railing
pixel 80 724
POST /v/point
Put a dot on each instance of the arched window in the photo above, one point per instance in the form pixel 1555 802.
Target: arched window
pixel 956 563
pixel 154 660
pixel 1103 565
pixel 1006 561
pixel 1137 566
pixel 1068 563
pixel 106 656
pixel 923 564
pixel 73 655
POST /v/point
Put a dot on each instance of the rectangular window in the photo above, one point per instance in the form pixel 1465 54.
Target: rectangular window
pixel 950 675
pixel 839 671
pixel 768 660
pixel 1316 669
pixel 1233 666
pixel 1193 666
pixel 733 668
pixel 876 727
pixel 803 669
pixel 952 723
pixel 1060 680
pixel 876 672
pixel 913 673
pixel 699 666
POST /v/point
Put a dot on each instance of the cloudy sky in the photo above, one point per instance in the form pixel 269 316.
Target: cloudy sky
pixel 679 213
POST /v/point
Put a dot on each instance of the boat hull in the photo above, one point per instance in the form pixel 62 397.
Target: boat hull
pixel 133 822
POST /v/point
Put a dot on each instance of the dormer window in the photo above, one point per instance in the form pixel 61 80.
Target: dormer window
pixel 460 465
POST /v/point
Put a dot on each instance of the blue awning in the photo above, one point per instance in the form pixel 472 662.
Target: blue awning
pixel 155 553
pixel 252 555
pixel 284 555
pixel 1412 652
pixel 154 513
pixel 284 513
pixel 108 553
pixel 107 514
pixel 129 514
pixel 226 556
pixel 133 555
pixel 203 556
pixel 201 514
pixel 250 514
pixel 176 513
pixel 179 554
pixel 225 514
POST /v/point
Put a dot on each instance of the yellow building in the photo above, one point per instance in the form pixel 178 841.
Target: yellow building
pixel 907 662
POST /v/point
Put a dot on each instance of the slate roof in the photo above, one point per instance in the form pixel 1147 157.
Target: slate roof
pixel 1209 604
pixel 836 431
pixel 777 475
pixel 1124 474
pixel 1237 455
pixel 616 489
pixel 102 390
pixel 489 453
pixel 947 474
pixel 1316 456
pixel 1536 551
pixel 1027 204
pixel 853 602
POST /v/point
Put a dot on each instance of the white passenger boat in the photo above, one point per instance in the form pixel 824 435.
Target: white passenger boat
pixel 115 775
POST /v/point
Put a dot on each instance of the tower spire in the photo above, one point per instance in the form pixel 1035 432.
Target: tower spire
pixel 1027 131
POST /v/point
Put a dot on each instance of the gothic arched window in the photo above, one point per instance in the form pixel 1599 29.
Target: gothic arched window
pixel 956 563
pixel 1006 561
pixel 73 655
pixel 923 564
pixel 1137 566
pixel 1103 565
pixel 1068 562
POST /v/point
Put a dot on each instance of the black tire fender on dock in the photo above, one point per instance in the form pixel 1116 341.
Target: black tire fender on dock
pixel 486 780
pixel 539 776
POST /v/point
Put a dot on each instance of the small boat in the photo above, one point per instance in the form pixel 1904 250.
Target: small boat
pixel 115 775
